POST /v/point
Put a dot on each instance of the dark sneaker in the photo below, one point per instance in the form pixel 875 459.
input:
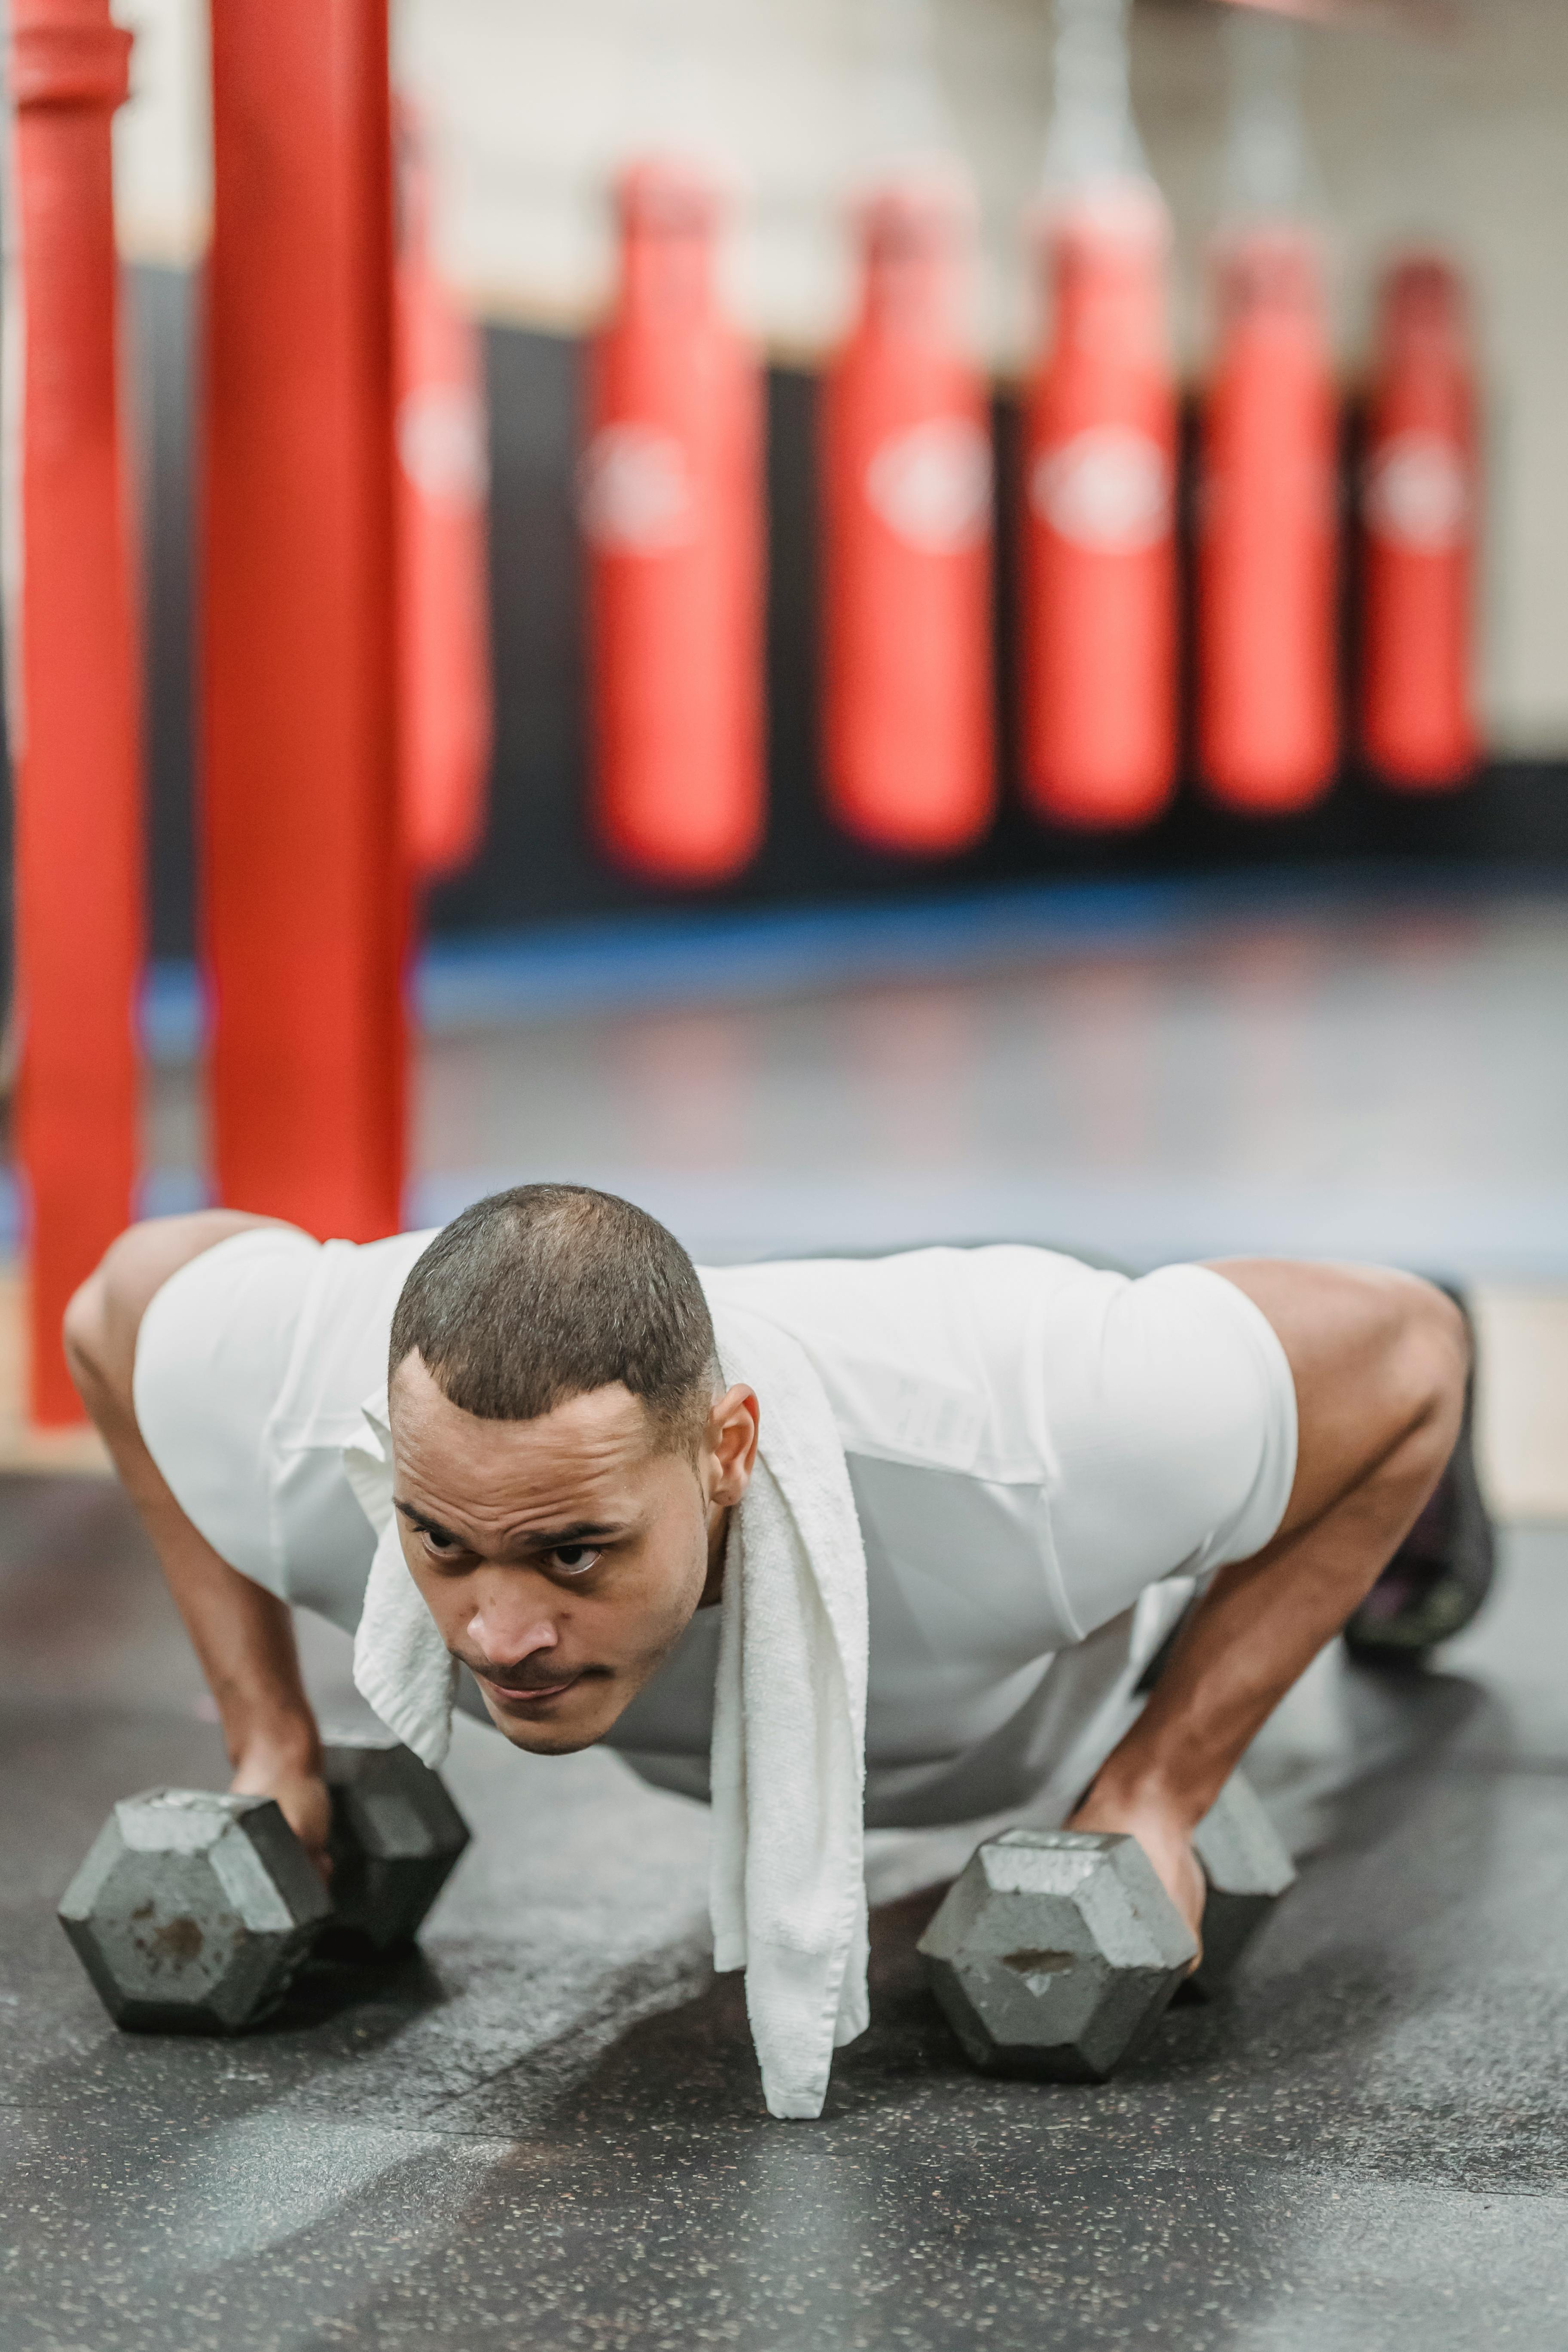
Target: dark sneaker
pixel 1442 1572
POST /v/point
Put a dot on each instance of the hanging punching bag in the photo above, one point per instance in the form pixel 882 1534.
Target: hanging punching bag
pixel 905 468
pixel 1099 578
pixel 443 626
pixel 672 515
pixel 1267 726
pixel 1418 516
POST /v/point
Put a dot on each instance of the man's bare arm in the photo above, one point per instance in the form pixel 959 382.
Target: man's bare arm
pixel 1379 1361
pixel 243 1635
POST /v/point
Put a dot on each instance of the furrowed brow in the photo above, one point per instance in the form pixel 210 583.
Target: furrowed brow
pixel 581 1531
pixel 426 1527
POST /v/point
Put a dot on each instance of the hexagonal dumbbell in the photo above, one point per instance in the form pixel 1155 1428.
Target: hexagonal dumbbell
pixel 1247 1869
pixel 395 1840
pixel 193 1912
pixel 1055 1951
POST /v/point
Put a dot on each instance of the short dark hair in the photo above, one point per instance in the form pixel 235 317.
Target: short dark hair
pixel 549 1290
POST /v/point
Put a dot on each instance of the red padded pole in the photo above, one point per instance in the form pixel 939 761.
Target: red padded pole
pixel 1418 514
pixel 78 818
pixel 671 511
pixel 906 506
pixel 1098 668
pixel 1267 700
pixel 305 894
pixel 443 606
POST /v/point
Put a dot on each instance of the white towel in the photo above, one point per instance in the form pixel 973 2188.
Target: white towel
pixel 401 1666
pixel 788 1884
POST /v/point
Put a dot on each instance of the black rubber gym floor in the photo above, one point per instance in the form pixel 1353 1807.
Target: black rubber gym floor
pixel 546 2131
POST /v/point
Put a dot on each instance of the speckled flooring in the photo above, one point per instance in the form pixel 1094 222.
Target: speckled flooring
pixel 546 2131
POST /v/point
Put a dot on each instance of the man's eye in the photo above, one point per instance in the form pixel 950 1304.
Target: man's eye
pixel 574 1560
pixel 442 1544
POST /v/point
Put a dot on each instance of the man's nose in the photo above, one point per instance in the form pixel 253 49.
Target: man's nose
pixel 509 1624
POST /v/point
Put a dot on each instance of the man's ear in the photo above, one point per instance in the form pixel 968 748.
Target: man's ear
pixel 731 1443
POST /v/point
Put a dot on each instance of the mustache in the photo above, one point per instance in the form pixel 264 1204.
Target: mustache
pixel 527 1676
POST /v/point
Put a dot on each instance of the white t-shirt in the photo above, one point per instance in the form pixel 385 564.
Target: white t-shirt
pixel 1031 1443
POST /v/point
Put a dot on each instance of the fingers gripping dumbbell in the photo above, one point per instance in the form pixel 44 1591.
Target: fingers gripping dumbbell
pixel 1055 1951
pixel 193 1912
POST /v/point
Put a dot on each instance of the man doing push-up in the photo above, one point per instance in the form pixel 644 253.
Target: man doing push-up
pixel 1032 1445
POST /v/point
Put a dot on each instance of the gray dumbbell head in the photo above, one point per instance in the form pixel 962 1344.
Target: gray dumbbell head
pixel 395 1837
pixel 1247 1869
pixel 1053 1952
pixel 192 1912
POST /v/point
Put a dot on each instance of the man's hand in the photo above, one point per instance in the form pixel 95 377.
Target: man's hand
pixel 1165 1837
pixel 300 1792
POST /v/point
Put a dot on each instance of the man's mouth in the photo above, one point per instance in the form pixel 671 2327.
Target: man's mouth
pixel 527 1695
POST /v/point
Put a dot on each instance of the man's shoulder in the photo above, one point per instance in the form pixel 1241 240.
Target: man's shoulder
pixel 929 1357
pixel 989 1276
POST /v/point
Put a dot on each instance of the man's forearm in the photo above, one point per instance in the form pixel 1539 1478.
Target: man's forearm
pixel 243 1638
pixel 243 1635
pixel 1253 1634
pixel 1379 1366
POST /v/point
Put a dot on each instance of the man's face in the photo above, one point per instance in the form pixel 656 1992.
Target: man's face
pixel 563 1558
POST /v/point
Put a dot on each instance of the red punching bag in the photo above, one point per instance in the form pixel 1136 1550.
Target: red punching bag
pixel 443 630
pixel 1418 514
pixel 1267 724
pixel 671 514
pixel 1100 572
pixel 906 482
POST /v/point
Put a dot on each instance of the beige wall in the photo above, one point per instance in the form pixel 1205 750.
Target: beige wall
pixel 1464 139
